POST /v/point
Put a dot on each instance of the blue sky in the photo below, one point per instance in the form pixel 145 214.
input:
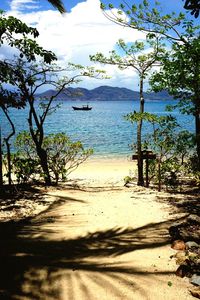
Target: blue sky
pixel 168 5
pixel 82 31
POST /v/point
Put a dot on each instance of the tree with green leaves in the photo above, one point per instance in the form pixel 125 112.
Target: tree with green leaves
pixel 183 65
pixel 134 57
pixel 148 18
pixel 180 75
pixel 64 156
pixel 27 79
pixel 9 99
pixel 16 34
pixel 163 142
pixel 174 148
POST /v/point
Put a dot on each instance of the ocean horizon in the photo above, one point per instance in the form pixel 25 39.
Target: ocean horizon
pixel 104 128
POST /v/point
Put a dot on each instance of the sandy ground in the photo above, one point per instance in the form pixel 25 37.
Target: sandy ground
pixel 98 240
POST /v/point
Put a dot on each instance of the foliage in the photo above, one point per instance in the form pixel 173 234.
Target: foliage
pixel 134 57
pixel 181 65
pixel 173 150
pixel 180 75
pixel 135 117
pixel 149 18
pixel 127 180
pixel 17 34
pixel 179 72
pixel 192 169
pixel 63 157
pixel 24 169
pixel 25 160
pixel 194 6
pixel 27 78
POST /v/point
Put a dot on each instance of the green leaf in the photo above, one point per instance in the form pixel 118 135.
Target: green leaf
pixel 169 283
pixel 134 8
pixel 145 3
pixel 102 6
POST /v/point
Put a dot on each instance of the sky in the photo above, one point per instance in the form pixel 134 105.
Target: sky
pixel 82 31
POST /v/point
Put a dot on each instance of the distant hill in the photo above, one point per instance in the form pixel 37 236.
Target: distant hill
pixel 104 93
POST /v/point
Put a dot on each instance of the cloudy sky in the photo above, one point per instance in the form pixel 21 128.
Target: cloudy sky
pixel 82 31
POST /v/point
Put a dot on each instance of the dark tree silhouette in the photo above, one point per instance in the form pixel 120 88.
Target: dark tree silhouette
pixel 194 6
pixel 58 5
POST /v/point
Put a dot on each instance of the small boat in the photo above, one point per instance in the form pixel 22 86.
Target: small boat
pixel 84 107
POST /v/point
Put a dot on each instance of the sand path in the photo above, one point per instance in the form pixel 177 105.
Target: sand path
pixel 100 241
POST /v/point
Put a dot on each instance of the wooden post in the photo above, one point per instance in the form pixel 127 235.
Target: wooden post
pixel 145 155
pixel 159 176
pixel 147 172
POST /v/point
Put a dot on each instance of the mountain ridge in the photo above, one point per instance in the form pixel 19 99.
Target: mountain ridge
pixel 104 93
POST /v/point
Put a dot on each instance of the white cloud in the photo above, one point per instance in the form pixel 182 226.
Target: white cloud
pixel 77 34
pixel 18 5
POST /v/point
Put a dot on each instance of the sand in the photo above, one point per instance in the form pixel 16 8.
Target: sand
pixel 99 240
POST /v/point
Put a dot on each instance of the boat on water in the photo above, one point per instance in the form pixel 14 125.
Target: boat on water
pixel 83 107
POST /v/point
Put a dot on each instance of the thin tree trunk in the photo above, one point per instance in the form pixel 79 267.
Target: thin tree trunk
pixel 139 137
pixel 38 140
pixel 159 174
pixel 197 127
pixel 9 163
pixel 196 102
pixel 1 162
pixel 8 146
pixel 44 164
pixel 42 154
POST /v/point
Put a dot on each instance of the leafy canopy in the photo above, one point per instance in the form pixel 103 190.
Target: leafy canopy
pixel 150 19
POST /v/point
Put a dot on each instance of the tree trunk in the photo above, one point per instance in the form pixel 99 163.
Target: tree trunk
pixel 139 138
pixel 1 162
pixel 44 164
pixel 37 137
pixel 197 128
pixel 196 102
pixel 8 145
pixel 9 163
pixel 159 174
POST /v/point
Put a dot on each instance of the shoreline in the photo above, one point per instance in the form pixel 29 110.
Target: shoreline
pixel 116 156
pixel 104 171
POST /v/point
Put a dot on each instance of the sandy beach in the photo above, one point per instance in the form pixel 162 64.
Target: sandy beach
pixel 97 240
pixel 104 171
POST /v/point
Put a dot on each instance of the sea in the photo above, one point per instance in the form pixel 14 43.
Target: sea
pixel 104 128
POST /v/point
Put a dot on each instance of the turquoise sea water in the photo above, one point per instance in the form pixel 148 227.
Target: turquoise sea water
pixel 103 128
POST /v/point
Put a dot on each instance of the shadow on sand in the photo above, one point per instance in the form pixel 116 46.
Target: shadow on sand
pixel 42 268
pixel 188 202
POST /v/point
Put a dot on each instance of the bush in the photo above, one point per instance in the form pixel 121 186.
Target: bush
pixel 64 156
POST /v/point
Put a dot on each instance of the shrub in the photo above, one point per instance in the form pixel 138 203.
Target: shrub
pixel 64 156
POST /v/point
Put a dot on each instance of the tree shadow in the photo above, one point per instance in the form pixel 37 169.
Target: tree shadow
pixel 16 192
pixel 185 202
pixel 41 268
pixel 45 268
pixel 23 202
